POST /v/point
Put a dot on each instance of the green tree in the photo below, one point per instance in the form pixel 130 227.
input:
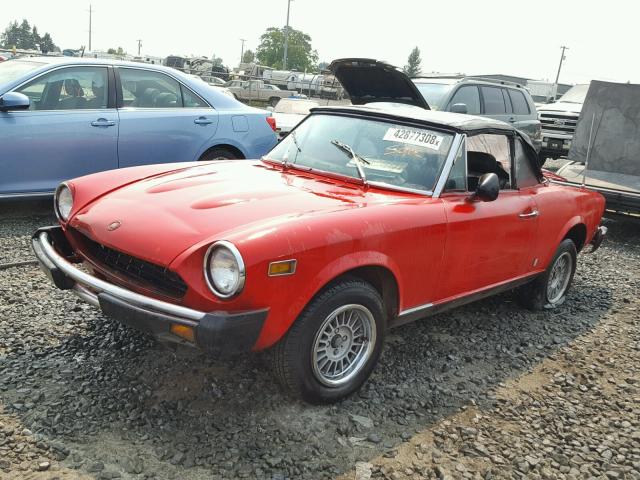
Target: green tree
pixel 300 55
pixel 47 45
pixel 118 51
pixel 23 36
pixel 11 36
pixel 248 56
pixel 412 68
pixel 217 61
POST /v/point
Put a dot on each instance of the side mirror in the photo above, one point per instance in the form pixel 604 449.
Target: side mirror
pixel 14 101
pixel 487 189
pixel 459 108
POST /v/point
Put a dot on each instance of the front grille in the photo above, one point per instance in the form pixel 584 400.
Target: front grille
pixel 144 273
pixel 554 122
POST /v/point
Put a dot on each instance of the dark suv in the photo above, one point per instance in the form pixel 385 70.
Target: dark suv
pixel 504 101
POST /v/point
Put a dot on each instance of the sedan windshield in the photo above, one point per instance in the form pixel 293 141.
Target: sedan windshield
pixel 378 152
pixel 434 93
pixel 13 69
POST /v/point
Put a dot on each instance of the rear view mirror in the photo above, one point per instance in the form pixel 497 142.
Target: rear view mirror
pixel 488 188
pixel 459 108
pixel 14 101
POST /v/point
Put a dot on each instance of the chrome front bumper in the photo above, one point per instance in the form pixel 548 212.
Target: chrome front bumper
pixel 216 331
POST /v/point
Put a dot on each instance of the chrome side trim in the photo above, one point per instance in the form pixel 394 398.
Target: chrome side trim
pixel 448 164
pixel 417 309
pixel 87 284
pixel 26 195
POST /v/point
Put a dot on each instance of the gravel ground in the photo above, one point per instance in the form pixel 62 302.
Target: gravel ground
pixel 84 397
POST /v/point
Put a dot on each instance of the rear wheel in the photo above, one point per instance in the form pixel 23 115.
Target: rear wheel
pixel 335 343
pixel 550 289
pixel 220 153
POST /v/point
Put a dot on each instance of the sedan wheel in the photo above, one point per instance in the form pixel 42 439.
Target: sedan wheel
pixel 335 343
pixel 549 290
pixel 343 344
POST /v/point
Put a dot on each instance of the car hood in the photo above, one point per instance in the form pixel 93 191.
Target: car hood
pixel 564 107
pixel 366 80
pixel 160 217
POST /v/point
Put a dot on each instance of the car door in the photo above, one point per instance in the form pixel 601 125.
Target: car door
pixel 70 130
pixel 495 103
pixel 161 119
pixel 488 243
pixel 524 116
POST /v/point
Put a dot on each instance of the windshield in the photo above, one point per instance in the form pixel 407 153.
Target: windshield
pixel 300 107
pixel 388 154
pixel 13 69
pixel 434 93
pixel 575 94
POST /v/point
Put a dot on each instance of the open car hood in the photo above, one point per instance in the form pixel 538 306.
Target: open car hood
pixel 366 80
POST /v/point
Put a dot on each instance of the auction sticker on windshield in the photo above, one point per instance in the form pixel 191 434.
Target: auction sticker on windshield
pixel 414 137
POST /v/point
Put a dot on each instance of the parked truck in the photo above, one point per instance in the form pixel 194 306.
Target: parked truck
pixel 257 90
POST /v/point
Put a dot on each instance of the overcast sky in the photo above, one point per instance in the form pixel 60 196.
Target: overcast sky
pixel 468 36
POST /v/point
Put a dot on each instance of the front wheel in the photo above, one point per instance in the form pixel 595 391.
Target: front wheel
pixel 335 343
pixel 550 289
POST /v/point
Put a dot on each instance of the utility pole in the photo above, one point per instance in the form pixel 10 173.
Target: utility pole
pixel 90 13
pixel 139 46
pixel 242 49
pixel 562 57
pixel 286 37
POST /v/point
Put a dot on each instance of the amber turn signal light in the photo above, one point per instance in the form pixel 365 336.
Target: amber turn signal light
pixel 284 267
pixel 184 332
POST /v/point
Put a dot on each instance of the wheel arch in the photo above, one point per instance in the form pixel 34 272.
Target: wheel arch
pixel 578 234
pixel 227 146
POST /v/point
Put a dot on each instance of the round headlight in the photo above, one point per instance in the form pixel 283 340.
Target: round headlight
pixel 63 202
pixel 224 269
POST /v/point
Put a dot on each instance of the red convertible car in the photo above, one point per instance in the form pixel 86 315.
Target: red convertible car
pixel 363 218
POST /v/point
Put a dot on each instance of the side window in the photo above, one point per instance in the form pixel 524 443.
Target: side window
pixel 525 175
pixel 489 153
pixel 507 100
pixel 520 104
pixel 470 97
pixel 191 100
pixel 147 89
pixel 73 88
pixel 458 176
pixel 493 101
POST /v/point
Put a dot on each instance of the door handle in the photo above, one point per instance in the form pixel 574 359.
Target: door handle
pixel 103 122
pixel 202 121
pixel 512 119
pixel 531 214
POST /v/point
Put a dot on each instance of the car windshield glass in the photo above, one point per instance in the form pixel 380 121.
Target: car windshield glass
pixel 575 94
pixel 434 93
pixel 13 69
pixel 390 154
pixel 300 107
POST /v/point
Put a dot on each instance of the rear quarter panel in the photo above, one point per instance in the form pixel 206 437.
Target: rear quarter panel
pixel 561 208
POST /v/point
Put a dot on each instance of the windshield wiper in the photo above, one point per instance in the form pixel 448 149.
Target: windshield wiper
pixel 285 160
pixel 354 156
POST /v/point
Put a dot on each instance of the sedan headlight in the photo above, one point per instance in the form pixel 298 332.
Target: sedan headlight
pixel 224 269
pixel 63 202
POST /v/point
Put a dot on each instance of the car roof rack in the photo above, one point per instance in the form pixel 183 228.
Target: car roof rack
pixel 468 78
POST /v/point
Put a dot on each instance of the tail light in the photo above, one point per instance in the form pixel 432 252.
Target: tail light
pixel 272 123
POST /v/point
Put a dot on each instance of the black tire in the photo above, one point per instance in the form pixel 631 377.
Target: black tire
pixel 535 295
pixel 219 153
pixel 293 356
pixel 273 101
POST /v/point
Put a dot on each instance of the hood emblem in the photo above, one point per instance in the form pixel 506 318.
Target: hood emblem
pixel 558 122
pixel 114 225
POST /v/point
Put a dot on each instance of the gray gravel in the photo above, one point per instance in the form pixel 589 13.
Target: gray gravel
pixel 104 400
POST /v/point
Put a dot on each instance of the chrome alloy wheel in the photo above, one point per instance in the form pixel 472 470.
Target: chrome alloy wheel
pixel 344 342
pixel 559 277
